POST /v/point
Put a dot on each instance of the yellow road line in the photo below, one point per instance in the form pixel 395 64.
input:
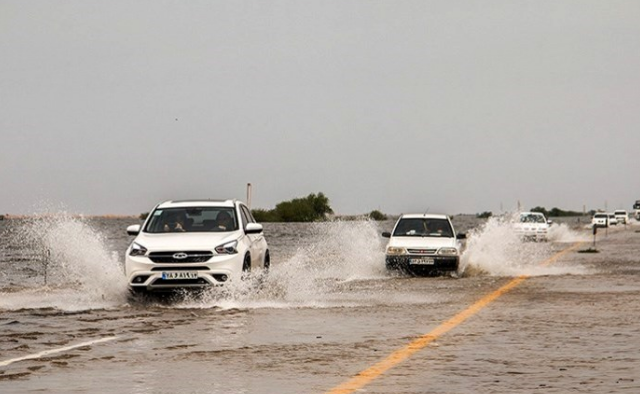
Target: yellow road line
pixel 368 375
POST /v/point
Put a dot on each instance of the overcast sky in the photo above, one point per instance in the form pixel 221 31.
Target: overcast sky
pixel 108 107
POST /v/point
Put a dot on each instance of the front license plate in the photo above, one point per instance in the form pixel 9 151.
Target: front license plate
pixel 422 261
pixel 171 275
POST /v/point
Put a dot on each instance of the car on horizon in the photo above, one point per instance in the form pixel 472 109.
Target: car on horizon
pixel 194 244
pixel 423 244
pixel 612 219
pixel 600 219
pixel 532 226
pixel 621 216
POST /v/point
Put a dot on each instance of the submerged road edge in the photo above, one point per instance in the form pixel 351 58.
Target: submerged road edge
pixel 368 375
pixel 54 351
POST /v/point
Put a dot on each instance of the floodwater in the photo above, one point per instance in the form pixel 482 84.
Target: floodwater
pixel 327 311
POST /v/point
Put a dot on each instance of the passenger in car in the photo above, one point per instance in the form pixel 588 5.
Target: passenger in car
pixel 175 223
pixel 224 221
pixel 439 229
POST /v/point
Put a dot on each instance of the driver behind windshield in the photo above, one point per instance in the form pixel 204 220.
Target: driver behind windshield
pixel 175 222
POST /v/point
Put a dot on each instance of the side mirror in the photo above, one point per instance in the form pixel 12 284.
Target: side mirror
pixel 253 228
pixel 549 221
pixel 133 229
pixel 386 234
pixel 461 236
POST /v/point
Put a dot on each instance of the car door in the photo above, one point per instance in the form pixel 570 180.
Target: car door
pixel 255 240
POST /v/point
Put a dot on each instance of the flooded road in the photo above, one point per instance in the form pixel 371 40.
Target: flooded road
pixel 326 312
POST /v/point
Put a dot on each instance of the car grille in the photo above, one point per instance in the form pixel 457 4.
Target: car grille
pixel 176 282
pixel 169 268
pixel 422 251
pixel 173 257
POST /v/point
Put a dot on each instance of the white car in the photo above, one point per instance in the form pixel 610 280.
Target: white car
pixel 612 219
pixel 532 226
pixel 194 244
pixel 423 243
pixel 600 220
pixel 621 216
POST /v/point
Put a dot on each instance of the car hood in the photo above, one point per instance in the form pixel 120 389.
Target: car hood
pixel 422 242
pixel 185 241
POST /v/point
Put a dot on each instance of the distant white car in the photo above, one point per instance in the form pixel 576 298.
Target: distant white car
pixel 532 226
pixel 612 219
pixel 600 220
pixel 621 216
pixel 422 244
pixel 194 245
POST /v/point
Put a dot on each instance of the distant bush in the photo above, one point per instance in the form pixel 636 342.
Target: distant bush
pixel 143 216
pixel 556 212
pixel 263 215
pixel 306 209
pixel 484 215
pixel 377 215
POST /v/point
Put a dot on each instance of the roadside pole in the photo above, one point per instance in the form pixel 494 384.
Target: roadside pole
pixel 249 195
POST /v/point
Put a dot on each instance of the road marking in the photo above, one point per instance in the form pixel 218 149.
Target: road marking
pixel 368 375
pixel 54 351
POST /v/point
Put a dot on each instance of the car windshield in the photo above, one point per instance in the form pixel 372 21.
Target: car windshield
pixel 600 216
pixel 423 227
pixel 192 220
pixel 529 218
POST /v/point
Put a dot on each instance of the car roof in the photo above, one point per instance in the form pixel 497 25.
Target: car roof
pixel 423 215
pixel 531 213
pixel 197 203
pixel 620 211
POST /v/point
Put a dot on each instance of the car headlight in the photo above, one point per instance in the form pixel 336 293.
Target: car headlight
pixel 393 250
pixel 137 250
pixel 228 248
pixel 448 251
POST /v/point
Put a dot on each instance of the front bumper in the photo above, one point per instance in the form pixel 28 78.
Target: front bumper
pixel 534 235
pixel 440 263
pixel 145 275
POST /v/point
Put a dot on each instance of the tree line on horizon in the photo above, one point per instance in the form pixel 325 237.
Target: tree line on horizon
pixel 311 208
pixel 557 212
pixel 553 212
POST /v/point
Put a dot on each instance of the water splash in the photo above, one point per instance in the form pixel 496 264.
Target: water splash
pixel 496 249
pixel 75 271
pixel 319 274
pixel 562 233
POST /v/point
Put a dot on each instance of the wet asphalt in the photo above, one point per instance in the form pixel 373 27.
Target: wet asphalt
pixel 553 333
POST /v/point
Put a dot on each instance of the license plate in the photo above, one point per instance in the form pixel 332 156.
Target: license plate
pixel 172 275
pixel 422 261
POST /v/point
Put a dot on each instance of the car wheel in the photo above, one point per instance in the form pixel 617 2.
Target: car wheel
pixel 246 266
pixel 137 290
pixel 267 261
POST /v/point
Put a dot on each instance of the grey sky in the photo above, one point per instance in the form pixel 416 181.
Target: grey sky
pixel 459 106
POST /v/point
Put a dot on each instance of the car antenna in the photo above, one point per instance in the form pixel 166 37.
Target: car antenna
pixel 427 211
